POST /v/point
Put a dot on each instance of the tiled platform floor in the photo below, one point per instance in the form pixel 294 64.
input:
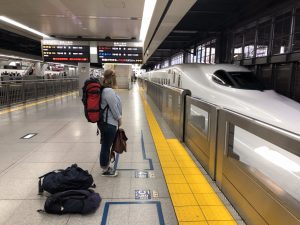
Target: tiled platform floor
pixel 65 137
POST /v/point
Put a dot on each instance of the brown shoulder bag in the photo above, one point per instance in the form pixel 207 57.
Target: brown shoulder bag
pixel 119 145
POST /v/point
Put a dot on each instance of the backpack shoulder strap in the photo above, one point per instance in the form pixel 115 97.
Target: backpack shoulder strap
pixel 107 106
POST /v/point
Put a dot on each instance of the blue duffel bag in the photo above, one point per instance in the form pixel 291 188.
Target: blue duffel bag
pixel 72 178
pixel 73 201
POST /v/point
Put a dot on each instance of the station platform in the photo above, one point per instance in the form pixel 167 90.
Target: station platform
pixel 159 181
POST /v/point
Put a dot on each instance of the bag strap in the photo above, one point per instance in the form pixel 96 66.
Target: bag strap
pixel 106 108
pixel 41 211
pixel 78 194
pixel 40 187
pixel 88 89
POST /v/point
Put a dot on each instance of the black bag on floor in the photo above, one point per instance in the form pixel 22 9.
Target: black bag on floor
pixel 72 178
pixel 73 201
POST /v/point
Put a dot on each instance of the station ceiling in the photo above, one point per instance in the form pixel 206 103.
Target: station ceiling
pixel 208 18
pixel 121 19
pixel 117 19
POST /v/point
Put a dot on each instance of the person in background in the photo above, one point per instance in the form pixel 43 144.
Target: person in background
pixel 111 110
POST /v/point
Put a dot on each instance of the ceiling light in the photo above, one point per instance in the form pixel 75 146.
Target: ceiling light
pixel 28 136
pixel 147 15
pixel 18 57
pixel 17 24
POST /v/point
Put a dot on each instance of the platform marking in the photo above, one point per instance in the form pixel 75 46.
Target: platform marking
pixel 141 174
pixel 28 105
pixel 142 194
pixel 157 203
pixel 193 198
pixel 144 157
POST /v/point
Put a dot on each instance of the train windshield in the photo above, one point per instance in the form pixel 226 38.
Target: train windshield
pixel 246 80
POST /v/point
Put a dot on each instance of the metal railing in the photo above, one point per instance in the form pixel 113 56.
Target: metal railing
pixel 258 169
pixel 171 103
pixel 242 154
pixel 201 132
pixel 13 92
pixel 155 91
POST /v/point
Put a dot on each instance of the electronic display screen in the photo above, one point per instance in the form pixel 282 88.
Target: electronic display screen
pixel 120 54
pixel 66 53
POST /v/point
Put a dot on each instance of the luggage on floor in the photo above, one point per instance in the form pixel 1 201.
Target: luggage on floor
pixel 73 201
pixel 72 178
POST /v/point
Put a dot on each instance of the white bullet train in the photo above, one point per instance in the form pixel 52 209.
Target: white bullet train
pixel 232 87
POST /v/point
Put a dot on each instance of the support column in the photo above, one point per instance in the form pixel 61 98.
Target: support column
pixel 123 76
pixel 67 71
pixel 224 47
pixel 83 74
pixel 37 69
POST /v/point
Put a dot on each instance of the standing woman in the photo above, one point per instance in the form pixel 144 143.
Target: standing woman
pixel 111 110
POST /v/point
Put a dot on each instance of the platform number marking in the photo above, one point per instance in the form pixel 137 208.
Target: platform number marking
pixel 142 194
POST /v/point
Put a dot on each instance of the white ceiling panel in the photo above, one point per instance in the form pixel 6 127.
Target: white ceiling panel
pixel 177 10
pixel 86 18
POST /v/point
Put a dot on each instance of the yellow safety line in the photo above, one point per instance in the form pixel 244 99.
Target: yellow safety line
pixel 27 105
pixel 194 200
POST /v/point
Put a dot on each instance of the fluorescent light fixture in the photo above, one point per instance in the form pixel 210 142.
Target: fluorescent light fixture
pixel 28 136
pixel 22 26
pixel 147 15
pixel 278 159
pixel 19 58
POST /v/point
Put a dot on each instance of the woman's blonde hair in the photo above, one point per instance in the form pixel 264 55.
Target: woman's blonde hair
pixel 108 78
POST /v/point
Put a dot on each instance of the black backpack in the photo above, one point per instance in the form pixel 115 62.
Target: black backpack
pixel 72 178
pixel 73 201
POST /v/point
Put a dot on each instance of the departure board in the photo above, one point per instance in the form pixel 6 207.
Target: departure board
pixel 66 53
pixel 120 54
pixel 55 50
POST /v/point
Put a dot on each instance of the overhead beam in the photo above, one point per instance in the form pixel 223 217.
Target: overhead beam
pixel 173 14
pixel 203 12
pixel 185 31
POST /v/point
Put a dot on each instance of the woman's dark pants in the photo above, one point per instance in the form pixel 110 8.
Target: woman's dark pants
pixel 108 133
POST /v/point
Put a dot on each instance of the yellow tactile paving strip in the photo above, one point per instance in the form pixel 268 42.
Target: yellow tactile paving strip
pixel 194 200
pixel 27 105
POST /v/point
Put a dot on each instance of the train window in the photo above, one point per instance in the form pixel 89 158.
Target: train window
pixel 220 77
pixel 267 160
pixel 199 119
pixel 179 81
pixel 246 80
pixel 174 76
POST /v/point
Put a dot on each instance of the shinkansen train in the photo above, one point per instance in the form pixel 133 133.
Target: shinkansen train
pixel 232 87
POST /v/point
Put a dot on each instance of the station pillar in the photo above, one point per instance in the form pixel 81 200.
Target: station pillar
pixel 37 69
pixel 83 74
